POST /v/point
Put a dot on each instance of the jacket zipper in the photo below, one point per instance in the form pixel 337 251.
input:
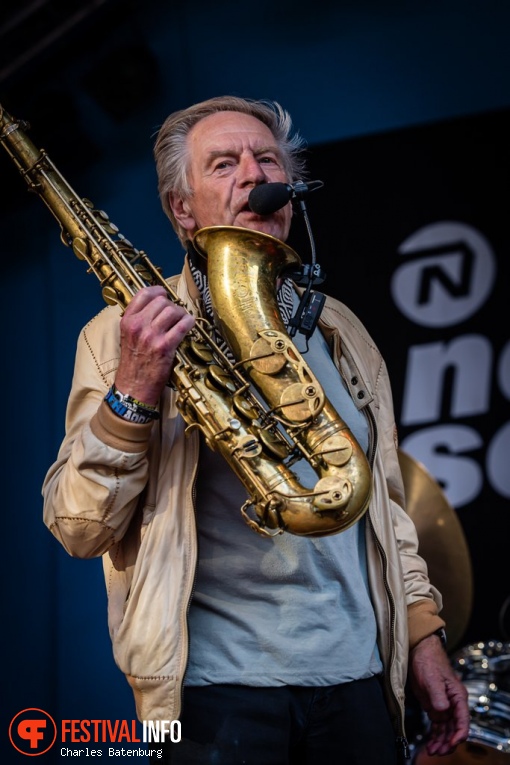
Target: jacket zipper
pixel 401 740
pixel 194 582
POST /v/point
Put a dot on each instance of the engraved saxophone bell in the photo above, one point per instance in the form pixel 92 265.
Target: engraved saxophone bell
pixel 243 271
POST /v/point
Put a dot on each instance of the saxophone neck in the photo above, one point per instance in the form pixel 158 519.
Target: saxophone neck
pixel 15 141
pixel 6 121
pixel 243 269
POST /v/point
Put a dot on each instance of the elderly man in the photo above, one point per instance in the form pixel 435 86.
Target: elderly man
pixel 292 649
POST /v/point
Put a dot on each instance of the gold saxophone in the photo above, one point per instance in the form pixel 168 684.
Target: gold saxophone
pixel 262 413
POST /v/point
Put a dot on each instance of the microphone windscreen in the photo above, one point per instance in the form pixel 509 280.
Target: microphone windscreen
pixel 269 197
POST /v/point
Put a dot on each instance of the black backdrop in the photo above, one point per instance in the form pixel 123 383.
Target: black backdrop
pixel 411 228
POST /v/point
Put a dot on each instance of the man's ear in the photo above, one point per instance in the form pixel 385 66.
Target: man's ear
pixel 182 211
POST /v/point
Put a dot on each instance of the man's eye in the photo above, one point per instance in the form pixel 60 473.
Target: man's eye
pixel 223 164
pixel 267 160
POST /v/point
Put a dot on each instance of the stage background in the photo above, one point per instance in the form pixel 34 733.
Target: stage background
pixel 405 108
pixel 411 227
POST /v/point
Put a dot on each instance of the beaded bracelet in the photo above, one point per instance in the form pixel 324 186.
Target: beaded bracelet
pixel 130 408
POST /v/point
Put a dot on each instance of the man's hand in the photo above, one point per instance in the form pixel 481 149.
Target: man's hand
pixel 441 694
pixel 150 331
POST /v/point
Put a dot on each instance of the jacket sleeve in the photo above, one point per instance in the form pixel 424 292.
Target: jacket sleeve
pixel 423 600
pixel 92 490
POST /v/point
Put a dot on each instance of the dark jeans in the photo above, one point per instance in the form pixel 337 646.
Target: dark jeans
pixel 344 724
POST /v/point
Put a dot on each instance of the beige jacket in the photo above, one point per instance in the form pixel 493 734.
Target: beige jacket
pixel 125 491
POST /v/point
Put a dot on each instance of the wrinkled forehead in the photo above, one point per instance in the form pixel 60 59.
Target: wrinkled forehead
pixel 229 129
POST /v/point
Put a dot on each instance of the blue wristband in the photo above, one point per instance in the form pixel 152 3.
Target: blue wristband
pixel 129 408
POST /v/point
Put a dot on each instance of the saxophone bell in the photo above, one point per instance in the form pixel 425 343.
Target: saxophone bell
pixel 243 270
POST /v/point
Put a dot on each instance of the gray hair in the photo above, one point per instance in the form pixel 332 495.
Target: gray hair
pixel 171 149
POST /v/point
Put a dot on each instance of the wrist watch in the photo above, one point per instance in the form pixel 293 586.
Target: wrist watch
pixel 441 633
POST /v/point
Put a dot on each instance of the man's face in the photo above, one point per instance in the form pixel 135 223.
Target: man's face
pixel 231 153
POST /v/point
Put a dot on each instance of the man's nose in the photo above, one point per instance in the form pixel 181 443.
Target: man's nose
pixel 251 171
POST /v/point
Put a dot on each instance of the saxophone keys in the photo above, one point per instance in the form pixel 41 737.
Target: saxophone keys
pixel 143 272
pixel 202 351
pixel 335 450
pixel 249 446
pixel 267 357
pixel 331 494
pixel 258 524
pixel 111 296
pixel 300 402
pixel 273 444
pixel 110 227
pixel 221 378
pixel 243 407
pixel 232 427
pixel 80 248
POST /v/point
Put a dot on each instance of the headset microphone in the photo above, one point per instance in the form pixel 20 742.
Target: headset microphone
pixel 267 198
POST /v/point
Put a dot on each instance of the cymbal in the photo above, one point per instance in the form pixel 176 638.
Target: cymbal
pixel 442 544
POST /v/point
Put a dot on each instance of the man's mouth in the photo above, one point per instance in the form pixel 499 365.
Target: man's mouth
pixel 247 209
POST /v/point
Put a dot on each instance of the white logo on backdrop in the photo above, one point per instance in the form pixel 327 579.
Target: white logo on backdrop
pixel 447 276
